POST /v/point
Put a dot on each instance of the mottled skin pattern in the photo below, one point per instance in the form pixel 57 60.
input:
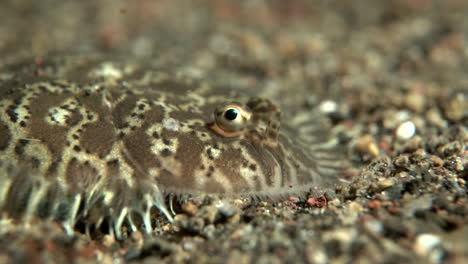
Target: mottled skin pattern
pixel 110 143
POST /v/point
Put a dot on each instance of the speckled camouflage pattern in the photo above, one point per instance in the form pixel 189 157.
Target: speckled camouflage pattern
pixel 102 140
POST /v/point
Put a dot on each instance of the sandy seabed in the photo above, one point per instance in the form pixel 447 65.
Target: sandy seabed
pixel 391 76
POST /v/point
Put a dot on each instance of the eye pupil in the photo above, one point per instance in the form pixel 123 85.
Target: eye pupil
pixel 230 114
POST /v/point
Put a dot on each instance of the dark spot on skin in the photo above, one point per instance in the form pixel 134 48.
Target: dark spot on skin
pixel 68 143
pixel 202 167
pixel 133 115
pixel 141 106
pixel 22 124
pixel 133 128
pixel 211 168
pixel 167 142
pixel 166 152
pixel 121 134
pixel 210 154
pixel 76 148
pixel 75 136
pixel 17 101
pixel 54 166
pixel 67 120
pixel 11 113
pixel 113 162
pixel 297 165
pixel 19 148
pixel 35 163
pixel 156 135
pixel 253 167
pixel 4 136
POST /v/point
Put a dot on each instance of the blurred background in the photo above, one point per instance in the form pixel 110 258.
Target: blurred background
pixel 144 26
pixel 330 45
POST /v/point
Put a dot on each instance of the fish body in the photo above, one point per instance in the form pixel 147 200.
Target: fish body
pixel 100 142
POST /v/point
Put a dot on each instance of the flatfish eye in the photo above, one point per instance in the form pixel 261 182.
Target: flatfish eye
pixel 230 120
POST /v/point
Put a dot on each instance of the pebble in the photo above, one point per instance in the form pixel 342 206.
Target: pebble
pixel 457 107
pixel 228 211
pixel 189 246
pixel 108 70
pixel 208 213
pixel 318 202
pixel 415 101
pixel 189 208
pixel 108 241
pixel 344 236
pixel 374 226
pixel 293 199
pixel 385 184
pixel 429 245
pixel 366 145
pixel 406 130
pixel 455 164
pixel 436 161
pixel 209 231
pixel 401 161
pixel 195 224
pixel 374 204
pixel 328 107
pixel 451 148
pixel 353 212
pixel 315 255
pixel 434 117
